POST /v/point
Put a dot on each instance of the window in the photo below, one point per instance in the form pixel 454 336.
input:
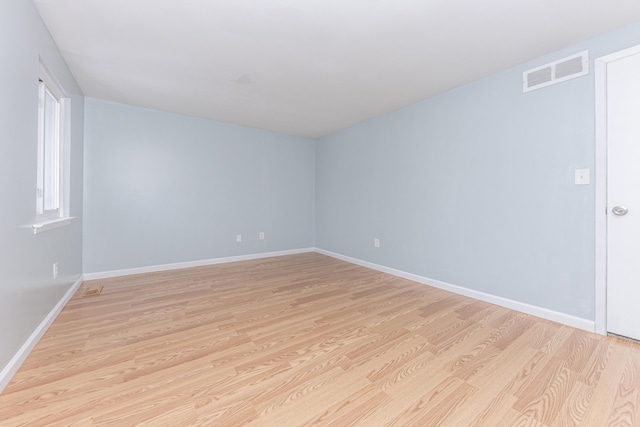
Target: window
pixel 52 130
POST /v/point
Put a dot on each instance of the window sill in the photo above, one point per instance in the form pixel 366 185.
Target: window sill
pixel 50 224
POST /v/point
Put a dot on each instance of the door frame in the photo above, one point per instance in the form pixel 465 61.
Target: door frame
pixel 601 184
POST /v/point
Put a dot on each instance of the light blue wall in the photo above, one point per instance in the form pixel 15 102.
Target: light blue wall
pixel 162 188
pixel 27 289
pixel 475 187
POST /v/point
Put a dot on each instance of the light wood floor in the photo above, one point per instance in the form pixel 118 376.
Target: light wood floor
pixel 309 340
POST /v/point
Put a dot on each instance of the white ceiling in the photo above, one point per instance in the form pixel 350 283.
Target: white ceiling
pixel 307 67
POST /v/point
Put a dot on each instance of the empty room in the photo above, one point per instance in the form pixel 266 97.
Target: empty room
pixel 334 213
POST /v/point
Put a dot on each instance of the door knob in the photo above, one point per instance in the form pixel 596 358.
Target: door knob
pixel 620 210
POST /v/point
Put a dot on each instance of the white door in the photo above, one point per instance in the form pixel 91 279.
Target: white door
pixel 623 196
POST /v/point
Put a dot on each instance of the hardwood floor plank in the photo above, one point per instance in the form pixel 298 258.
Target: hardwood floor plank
pixel 578 349
pixel 311 340
pixel 493 413
pixel 515 418
pixel 542 399
pixel 493 375
pixel 627 399
pixel 575 406
pixel 309 400
pixel 434 407
pixel 351 410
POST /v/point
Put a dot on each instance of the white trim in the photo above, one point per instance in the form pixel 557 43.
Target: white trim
pixel 52 83
pixel 41 226
pixel 600 181
pixel 14 364
pixel 601 184
pixel 544 313
pixel 189 264
pixel 621 54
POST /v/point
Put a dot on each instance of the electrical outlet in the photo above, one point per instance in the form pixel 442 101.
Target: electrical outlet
pixel 238 238
pixel 582 177
pixel 376 243
pixel 55 270
pixel 262 235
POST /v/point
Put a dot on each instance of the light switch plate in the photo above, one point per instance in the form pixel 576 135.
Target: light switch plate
pixel 582 176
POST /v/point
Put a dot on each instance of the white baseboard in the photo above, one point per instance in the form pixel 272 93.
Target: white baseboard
pixel 189 264
pixel 556 316
pixel 14 364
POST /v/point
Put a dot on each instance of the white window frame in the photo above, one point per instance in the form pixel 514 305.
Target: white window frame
pixel 57 174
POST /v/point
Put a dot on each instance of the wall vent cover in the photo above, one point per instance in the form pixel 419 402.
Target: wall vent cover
pixel 555 72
